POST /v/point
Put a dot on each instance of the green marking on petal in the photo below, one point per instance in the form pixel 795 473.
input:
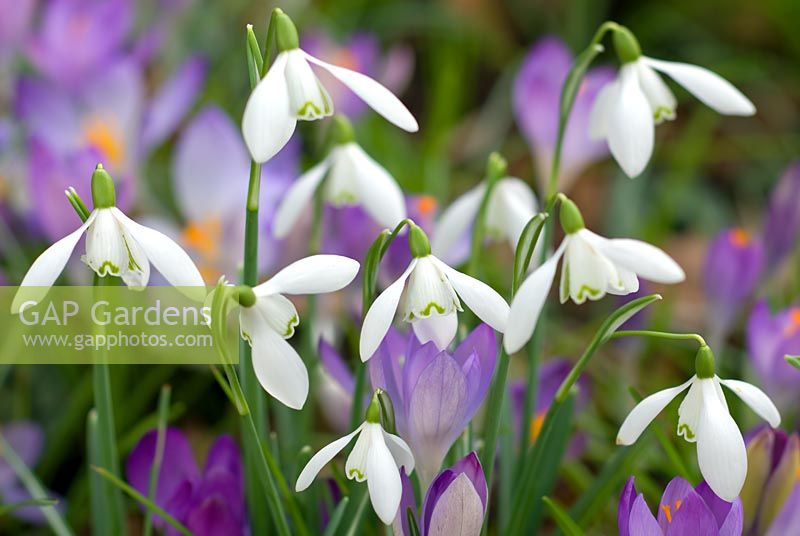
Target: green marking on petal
pixel 303 112
pixel 685 431
pixel 585 289
pixel 428 308
pixel 355 473
pixel 290 326
pixel 663 113
pixel 344 198
pixel 132 264
pixel 106 268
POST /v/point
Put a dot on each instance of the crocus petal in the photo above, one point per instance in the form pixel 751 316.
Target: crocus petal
pixel 267 123
pixel 692 517
pixel 48 266
pixel 458 511
pixel 644 413
pixel 380 315
pixel 484 301
pixel 789 517
pixel 381 196
pixel 528 302
pixel 626 500
pixel 383 480
pixel 644 259
pixel 756 399
pixel 721 453
pixel 441 329
pixel 373 93
pixel 710 88
pixel 173 262
pixel 316 274
pixel 641 521
pixel 454 224
pixel 298 198
pixel 321 459
pixel 400 452
pixel 630 128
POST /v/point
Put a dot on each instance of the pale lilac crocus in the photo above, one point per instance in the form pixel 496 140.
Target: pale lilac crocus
pixel 334 388
pixel 771 336
pixel 682 510
pixel 783 217
pixel 455 503
pixel 208 501
pixel 15 23
pixel 435 393
pixel 537 92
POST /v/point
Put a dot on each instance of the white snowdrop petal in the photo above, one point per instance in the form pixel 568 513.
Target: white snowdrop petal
pixel 484 301
pixel 429 292
pixel 600 115
pixel 321 459
pixel 662 101
pixel 644 413
pixel 106 253
pixel 689 413
pixel 454 225
pixel 308 99
pixel 643 259
pixel 400 451
pixel 383 480
pixel 756 399
pixel 630 127
pixel 298 198
pixel 380 195
pixel 315 274
pixel 441 329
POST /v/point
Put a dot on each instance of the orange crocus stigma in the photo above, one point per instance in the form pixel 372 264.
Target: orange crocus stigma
pixel 668 510
pixel 345 58
pixel 536 426
pixel 739 238
pixel 426 205
pixel 106 139
pixel 204 238
pixel 794 322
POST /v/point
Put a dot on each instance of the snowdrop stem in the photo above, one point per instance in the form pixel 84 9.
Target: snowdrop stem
pixel 496 167
pixel 494 408
pixel 661 335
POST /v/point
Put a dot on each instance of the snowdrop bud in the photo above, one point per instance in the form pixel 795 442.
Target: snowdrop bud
pixel 245 296
pixel 374 409
pixel 704 363
pixel 285 32
pixel 626 45
pixel 496 167
pixel 418 242
pixel 103 192
pixel 570 216
pixel 343 132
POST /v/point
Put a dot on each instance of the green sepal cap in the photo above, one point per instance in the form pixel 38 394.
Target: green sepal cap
pixel 285 32
pixel 104 195
pixel 570 216
pixel 342 132
pixel 496 167
pixel 245 296
pixel 626 45
pixel 374 410
pixel 418 241
pixel 704 364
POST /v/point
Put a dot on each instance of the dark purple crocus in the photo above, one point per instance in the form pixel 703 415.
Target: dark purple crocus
pixel 733 268
pixel 682 511
pixel 537 92
pixel 771 493
pixel 208 502
pixel 454 505
pixel 783 217
pixel 771 336
pixel 435 393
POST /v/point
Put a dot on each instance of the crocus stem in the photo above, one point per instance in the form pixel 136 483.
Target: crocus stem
pixel 494 408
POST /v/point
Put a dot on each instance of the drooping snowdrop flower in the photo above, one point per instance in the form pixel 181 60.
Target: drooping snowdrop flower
pixel 290 91
pixel 427 295
pixel 115 246
pixel 352 177
pixel 512 204
pixel 376 457
pixel 268 318
pixel 593 266
pixel 704 419
pixel 627 109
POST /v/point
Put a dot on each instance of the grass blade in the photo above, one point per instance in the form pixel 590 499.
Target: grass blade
pixel 562 519
pixel 336 517
pixel 163 416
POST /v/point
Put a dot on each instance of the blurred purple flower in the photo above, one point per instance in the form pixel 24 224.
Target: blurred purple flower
pixel 210 502
pixel 537 92
pixel 27 440
pixel 435 393
pixel 683 511
pixel 454 504
pixel 771 493
pixel 733 268
pixel 783 217
pixel 360 53
pixel 769 338
pixel 15 22
pixel 335 388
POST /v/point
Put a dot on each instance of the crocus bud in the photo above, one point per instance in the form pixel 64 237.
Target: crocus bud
pixel 285 32
pixel 626 45
pixel 343 132
pixel 704 363
pixel 781 484
pixel 418 242
pixel 759 465
pixel 570 216
pixel 103 192
pixel 770 337
pixel 783 217
pixel 456 501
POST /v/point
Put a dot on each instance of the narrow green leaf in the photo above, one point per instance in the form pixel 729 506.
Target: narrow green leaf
pixel 100 511
pixel 562 519
pixel 355 521
pixel 793 360
pixel 9 508
pixel 163 416
pixel 525 247
pixel 254 52
pixel 144 501
pixel 336 517
pixel 412 523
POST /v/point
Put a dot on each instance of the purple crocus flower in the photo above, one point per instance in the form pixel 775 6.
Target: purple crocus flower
pixel 335 388
pixel 771 336
pixel 537 92
pixel 771 493
pixel 361 53
pixel 435 393
pixel 683 511
pixel 783 217
pixel 733 268
pixel 208 502
pixel 454 505
pixel 15 22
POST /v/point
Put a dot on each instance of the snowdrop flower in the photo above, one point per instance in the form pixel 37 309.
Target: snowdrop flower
pixel 593 266
pixel 115 246
pixel 703 418
pixel 353 178
pixel 627 109
pixel 512 204
pixel 291 91
pixel 376 457
pixel 268 318
pixel 427 295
